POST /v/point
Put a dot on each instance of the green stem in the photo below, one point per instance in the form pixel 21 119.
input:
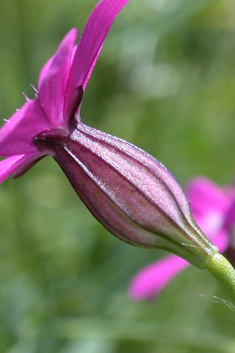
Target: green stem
pixel 223 271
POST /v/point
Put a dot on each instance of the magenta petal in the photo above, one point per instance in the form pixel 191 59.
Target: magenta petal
pixel 209 205
pixel 204 195
pixel 9 165
pixel 17 134
pixel 53 80
pixel 44 70
pixel 229 220
pixel 221 240
pixel 96 29
pixel 151 280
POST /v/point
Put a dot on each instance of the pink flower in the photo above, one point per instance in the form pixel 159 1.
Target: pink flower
pixel 131 193
pixel 61 84
pixel 214 211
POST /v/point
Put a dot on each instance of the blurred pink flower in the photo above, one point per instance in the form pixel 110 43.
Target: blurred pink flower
pixel 214 211
pixel 61 84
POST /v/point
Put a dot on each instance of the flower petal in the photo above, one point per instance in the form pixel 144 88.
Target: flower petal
pixel 44 71
pixel 204 194
pixel 151 280
pixel 53 80
pixel 230 216
pixel 9 165
pixel 16 136
pixel 209 205
pixel 96 29
pixel 221 240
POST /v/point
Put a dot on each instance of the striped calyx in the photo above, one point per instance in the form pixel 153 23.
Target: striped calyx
pixel 130 192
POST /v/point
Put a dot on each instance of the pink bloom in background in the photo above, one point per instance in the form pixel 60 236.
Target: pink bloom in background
pixel 214 210
pixel 61 84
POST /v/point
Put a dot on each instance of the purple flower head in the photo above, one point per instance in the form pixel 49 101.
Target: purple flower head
pixel 61 84
pixel 214 211
pixel 132 194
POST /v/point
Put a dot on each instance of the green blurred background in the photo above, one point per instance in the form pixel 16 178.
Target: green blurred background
pixel 165 80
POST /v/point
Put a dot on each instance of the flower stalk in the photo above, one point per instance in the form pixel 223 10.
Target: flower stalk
pixel 224 272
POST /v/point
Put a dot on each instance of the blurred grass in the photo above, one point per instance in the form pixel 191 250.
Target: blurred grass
pixel 165 81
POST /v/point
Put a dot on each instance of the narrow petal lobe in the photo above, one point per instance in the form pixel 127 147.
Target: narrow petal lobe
pixel 151 280
pixel 17 134
pixel 96 29
pixel 9 165
pixel 53 80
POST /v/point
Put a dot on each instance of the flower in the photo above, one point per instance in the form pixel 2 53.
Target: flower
pixel 130 192
pixel 214 211
pixel 61 85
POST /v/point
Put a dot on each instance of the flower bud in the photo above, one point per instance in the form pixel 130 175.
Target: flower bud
pixel 131 193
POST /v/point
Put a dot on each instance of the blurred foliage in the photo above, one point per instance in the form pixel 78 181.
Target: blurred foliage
pixel 165 80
